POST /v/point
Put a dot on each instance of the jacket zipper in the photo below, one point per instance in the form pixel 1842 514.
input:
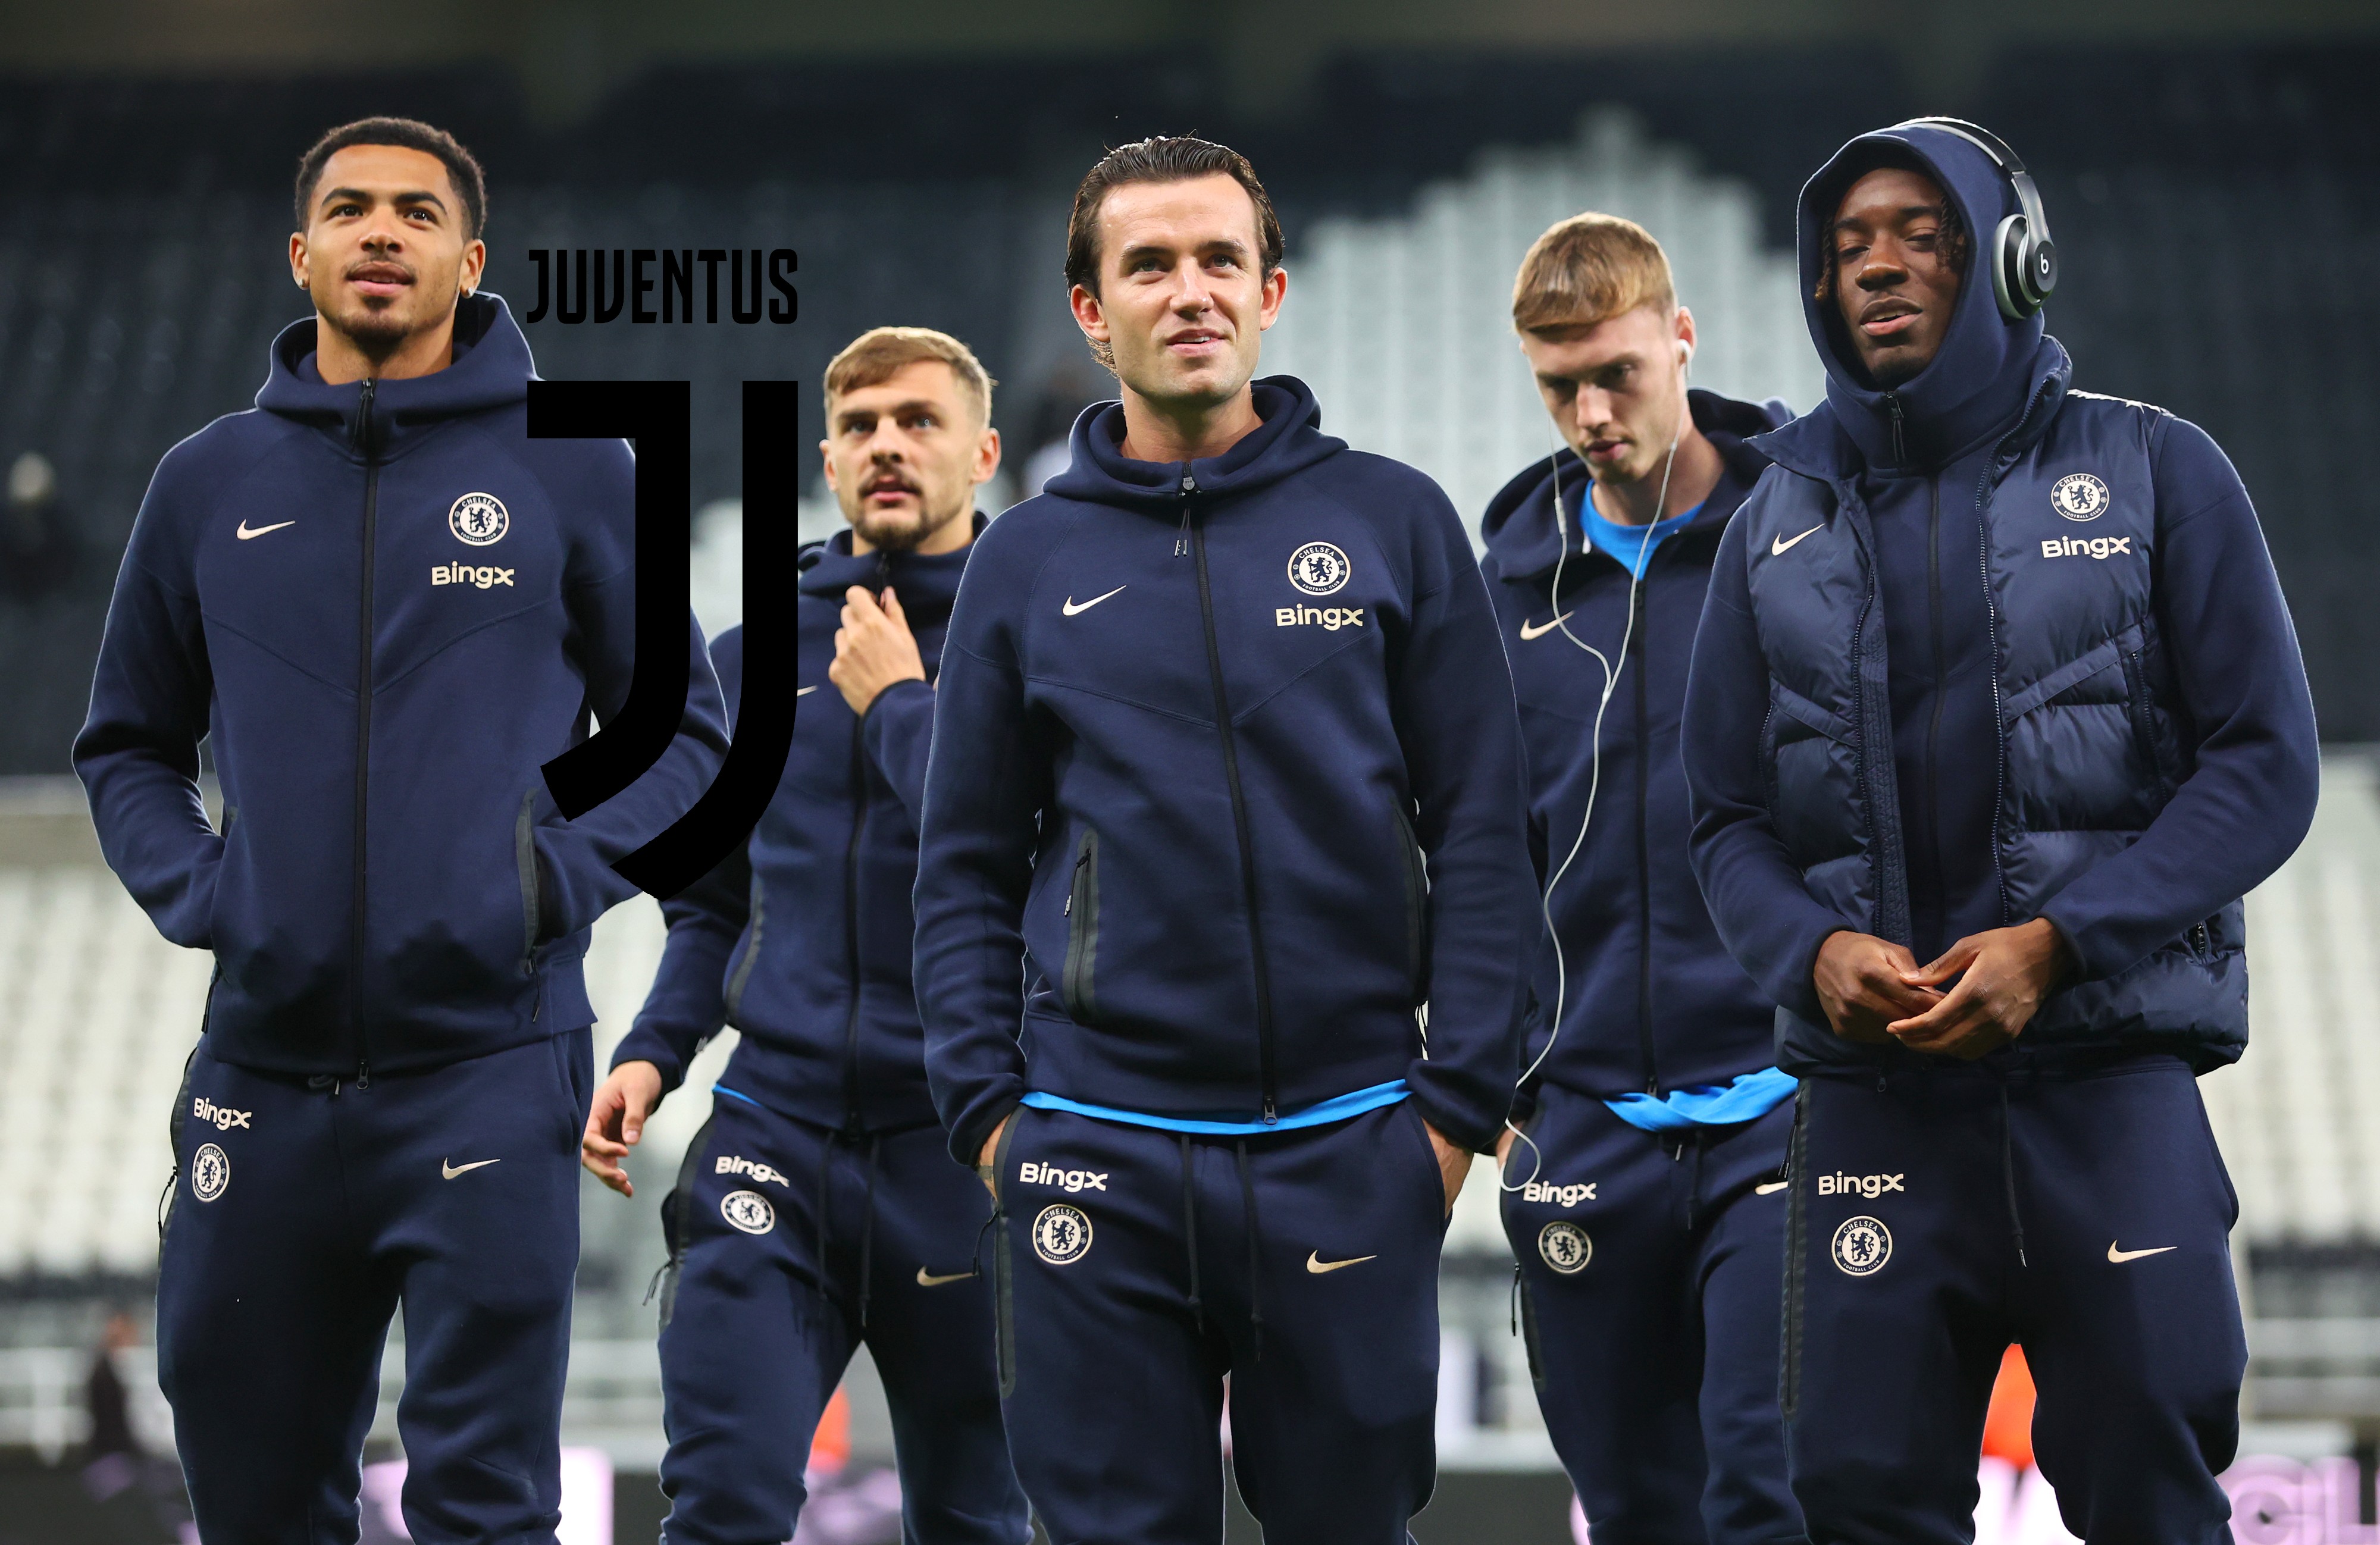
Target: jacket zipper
pixel 1644 857
pixel 1900 440
pixel 1265 1064
pixel 1933 718
pixel 365 442
pixel 858 775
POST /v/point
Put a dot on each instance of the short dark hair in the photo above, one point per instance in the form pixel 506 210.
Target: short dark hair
pixel 412 134
pixel 1160 159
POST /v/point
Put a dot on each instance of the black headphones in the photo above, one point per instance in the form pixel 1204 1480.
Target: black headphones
pixel 2025 260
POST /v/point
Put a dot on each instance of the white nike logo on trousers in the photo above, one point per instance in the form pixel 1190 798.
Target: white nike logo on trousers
pixel 1777 545
pixel 450 1169
pixel 1074 610
pixel 804 692
pixel 2117 1257
pixel 246 534
pixel 1770 1189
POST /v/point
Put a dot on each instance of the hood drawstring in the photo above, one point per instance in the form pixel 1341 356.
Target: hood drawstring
pixel 867 1231
pixel 1256 1256
pixel 1190 1234
pixel 2008 1173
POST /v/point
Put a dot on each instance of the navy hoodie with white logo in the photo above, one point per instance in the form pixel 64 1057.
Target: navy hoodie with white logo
pixel 1653 1001
pixel 1226 784
pixel 383 607
pixel 1982 648
pixel 802 939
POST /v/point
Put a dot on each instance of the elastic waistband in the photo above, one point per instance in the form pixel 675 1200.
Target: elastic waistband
pixel 1339 1107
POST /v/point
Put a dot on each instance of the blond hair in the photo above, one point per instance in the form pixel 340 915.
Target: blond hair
pixel 881 353
pixel 1588 269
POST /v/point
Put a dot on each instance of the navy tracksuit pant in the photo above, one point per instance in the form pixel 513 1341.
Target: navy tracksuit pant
pixel 1941 1214
pixel 1140 1266
pixel 1651 1277
pixel 791 1245
pixel 304 1213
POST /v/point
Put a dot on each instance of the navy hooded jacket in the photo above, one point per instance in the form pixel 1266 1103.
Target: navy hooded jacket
pixel 1983 649
pixel 383 607
pixel 1653 1001
pixel 1200 728
pixel 802 939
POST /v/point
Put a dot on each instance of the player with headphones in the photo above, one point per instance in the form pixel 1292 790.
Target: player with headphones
pixel 1995 676
pixel 1642 1163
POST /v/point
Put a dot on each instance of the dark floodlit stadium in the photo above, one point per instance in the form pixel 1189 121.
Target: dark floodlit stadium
pixel 1028 1031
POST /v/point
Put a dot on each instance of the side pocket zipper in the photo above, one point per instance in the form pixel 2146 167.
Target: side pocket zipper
pixel 525 855
pixel 1083 932
pixel 1004 1321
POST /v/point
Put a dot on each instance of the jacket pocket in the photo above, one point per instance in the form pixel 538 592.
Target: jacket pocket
pixel 2140 708
pixel 525 855
pixel 1416 873
pixel 675 1207
pixel 743 972
pixel 1077 985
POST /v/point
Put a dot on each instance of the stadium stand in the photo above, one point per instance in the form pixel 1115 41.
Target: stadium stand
pixel 1403 326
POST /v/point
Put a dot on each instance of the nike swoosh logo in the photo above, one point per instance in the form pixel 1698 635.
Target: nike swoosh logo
pixel 1528 633
pixel 804 692
pixel 1075 609
pixel 451 1168
pixel 246 534
pixel 1777 545
pixel 1770 1189
pixel 2117 1257
pixel 926 1280
pixel 1316 1264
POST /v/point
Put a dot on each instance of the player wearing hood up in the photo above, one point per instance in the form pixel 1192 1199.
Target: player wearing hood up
pixel 1995 713
pixel 1643 1172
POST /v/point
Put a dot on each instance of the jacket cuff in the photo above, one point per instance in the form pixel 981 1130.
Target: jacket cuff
pixel 967 1139
pixel 646 1044
pixel 1455 1126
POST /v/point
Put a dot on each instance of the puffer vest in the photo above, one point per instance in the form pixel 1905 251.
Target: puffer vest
pixel 2093 738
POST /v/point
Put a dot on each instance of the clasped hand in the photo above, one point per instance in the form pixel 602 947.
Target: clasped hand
pixel 1874 990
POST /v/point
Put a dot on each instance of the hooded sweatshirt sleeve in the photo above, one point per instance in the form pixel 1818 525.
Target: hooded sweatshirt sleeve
pixel 138 753
pixel 2249 800
pixel 1461 735
pixel 597 493
pixel 1766 916
pixel 687 1004
pixel 975 857
pixel 898 731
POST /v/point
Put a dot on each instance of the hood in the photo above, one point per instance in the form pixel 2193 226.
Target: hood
pixel 492 369
pixel 1289 439
pixel 927 582
pixel 1522 536
pixel 1980 382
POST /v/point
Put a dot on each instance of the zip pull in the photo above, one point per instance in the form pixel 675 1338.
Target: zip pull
pixel 1899 442
pixel 1181 543
pixel 1270 1117
pixel 363 1074
pixel 362 434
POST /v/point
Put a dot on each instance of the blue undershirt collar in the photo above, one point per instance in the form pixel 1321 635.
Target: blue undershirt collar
pixel 1631 546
